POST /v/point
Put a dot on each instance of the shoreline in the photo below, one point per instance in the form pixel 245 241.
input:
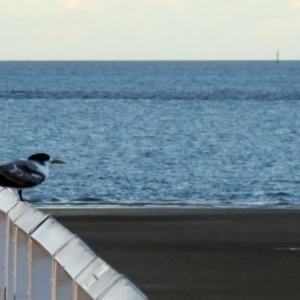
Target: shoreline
pixel 111 209
pixel 195 253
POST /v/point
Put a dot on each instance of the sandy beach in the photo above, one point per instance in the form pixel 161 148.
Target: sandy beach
pixel 196 253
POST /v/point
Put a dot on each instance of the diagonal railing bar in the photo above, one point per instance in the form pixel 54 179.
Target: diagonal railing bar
pixel 41 259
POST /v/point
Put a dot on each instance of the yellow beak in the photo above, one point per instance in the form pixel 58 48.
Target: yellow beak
pixel 57 161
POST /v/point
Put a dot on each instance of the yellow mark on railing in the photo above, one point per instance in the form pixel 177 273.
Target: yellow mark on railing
pixel 97 275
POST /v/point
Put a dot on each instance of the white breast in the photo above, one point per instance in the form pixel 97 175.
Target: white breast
pixel 44 169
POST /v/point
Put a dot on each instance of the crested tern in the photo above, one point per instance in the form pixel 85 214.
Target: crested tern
pixel 21 174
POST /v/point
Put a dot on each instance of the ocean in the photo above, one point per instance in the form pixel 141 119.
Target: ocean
pixel 198 133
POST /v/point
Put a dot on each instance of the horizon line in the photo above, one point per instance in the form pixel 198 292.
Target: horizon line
pixel 147 60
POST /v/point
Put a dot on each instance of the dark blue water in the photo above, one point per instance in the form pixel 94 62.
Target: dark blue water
pixel 189 133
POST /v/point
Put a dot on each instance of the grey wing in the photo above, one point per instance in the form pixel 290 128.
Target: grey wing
pixel 21 173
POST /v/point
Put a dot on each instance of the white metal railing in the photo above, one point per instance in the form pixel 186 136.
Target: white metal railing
pixel 40 260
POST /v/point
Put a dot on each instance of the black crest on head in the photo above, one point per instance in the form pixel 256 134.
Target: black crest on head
pixel 40 157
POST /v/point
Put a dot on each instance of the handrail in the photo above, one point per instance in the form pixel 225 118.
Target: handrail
pixel 42 260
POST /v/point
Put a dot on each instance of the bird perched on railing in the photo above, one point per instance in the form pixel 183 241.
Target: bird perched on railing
pixel 22 174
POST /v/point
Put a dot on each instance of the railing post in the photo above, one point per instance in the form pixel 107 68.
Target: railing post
pixel 3 222
pixel 21 265
pixel 3 294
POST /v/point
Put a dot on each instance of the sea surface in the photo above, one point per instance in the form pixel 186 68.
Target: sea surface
pixel 152 133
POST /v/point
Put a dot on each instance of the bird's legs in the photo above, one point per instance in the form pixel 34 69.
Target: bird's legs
pixel 20 195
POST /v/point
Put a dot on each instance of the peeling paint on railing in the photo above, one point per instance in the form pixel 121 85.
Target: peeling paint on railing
pixel 41 259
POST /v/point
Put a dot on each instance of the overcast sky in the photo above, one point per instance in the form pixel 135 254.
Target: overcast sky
pixel 149 29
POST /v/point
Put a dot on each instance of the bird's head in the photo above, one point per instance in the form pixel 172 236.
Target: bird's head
pixel 43 158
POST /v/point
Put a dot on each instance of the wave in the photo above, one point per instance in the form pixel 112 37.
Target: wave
pixel 149 95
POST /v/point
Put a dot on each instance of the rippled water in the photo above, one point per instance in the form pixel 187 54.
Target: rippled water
pixel 189 133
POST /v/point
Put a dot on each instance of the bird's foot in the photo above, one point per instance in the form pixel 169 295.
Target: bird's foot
pixel 20 195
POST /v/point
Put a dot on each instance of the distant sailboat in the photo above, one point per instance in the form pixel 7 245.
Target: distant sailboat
pixel 277 56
